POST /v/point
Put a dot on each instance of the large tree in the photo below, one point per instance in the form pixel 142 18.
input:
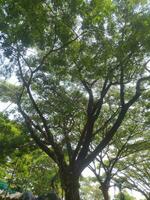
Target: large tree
pixel 71 58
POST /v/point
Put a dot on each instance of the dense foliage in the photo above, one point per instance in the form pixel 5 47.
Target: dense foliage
pixel 80 66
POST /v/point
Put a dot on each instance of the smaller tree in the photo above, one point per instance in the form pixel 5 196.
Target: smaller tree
pixel 136 174
pixel 119 156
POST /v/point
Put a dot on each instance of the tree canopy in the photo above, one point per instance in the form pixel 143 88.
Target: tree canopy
pixel 81 67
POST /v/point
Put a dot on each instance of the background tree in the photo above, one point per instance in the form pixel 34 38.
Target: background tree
pixel 82 53
pixel 128 149
pixel 135 175
pixel 133 171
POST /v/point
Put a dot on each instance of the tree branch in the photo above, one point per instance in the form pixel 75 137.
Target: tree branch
pixel 54 50
pixel 57 150
pixel 35 137
pixel 116 125
pixel 138 90
pixel 122 86
pixel 91 99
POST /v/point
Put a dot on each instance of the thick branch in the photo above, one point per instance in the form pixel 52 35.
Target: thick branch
pixel 113 130
pixel 88 127
pixel 107 138
pixel 86 140
pixel 68 144
pixel 122 87
pixel 138 90
pixel 93 113
pixel 98 105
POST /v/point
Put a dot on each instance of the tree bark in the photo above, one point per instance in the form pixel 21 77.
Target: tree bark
pixel 72 192
pixel 105 193
pixel 70 185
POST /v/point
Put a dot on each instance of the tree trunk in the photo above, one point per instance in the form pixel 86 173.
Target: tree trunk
pixel 70 184
pixel 72 192
pixel 105 193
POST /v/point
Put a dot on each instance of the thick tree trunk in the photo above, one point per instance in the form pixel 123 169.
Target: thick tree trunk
pixel 105 193
pixel 72 192
pixel 70 184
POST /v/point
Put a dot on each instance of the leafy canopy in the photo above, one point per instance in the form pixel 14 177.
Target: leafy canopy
pixel 81 66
